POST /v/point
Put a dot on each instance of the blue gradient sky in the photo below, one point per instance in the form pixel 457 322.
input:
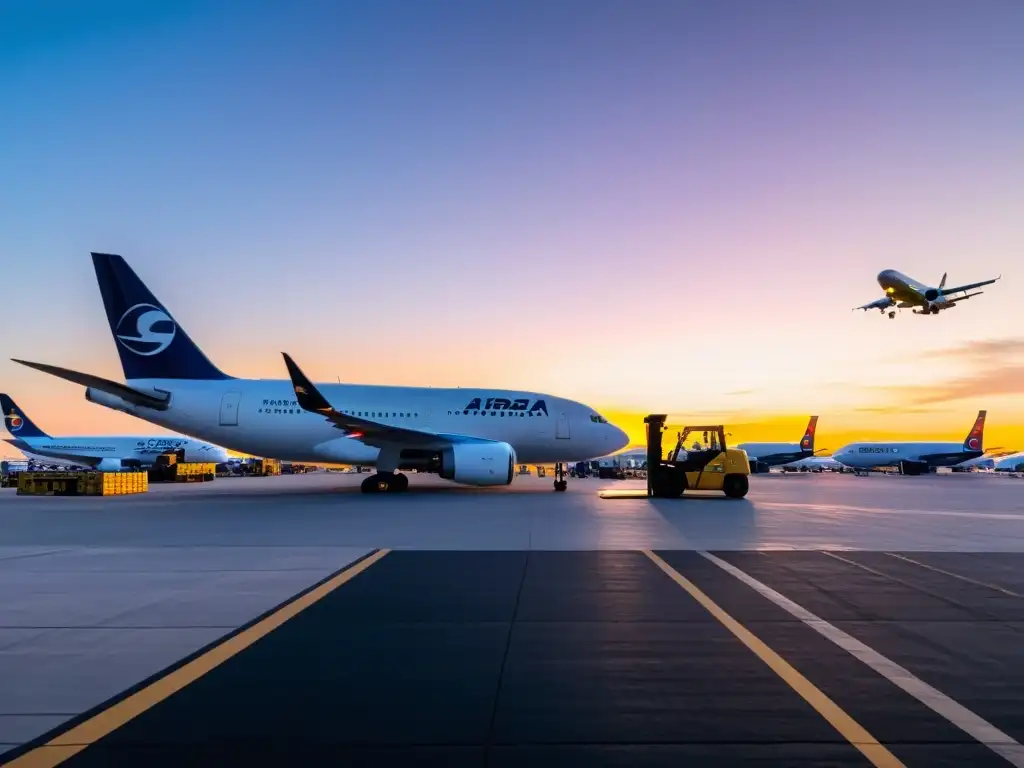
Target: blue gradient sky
pixel 529 194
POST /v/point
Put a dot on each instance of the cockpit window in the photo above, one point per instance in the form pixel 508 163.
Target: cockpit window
pixel 598 419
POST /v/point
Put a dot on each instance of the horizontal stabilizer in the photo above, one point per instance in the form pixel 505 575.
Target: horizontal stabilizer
pixel 126 393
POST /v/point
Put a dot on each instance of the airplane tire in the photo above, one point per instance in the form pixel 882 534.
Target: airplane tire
pixel 561 485
pixel 736 486
pixel 401 483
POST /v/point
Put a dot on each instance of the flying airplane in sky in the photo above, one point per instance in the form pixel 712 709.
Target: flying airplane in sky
pixel 765 455
pixel 914 458
pixel 102 452
pixel 903 292
pixel 474 436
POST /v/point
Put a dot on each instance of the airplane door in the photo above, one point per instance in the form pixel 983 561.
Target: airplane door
pixel 562 427
pixel 229 409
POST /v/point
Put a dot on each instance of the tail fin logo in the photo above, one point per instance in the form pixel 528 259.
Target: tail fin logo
pixel 808 442
pixel 146 330
pixel 973 441
pixel 14 422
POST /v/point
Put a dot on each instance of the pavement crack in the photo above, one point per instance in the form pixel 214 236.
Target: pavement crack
pixel 489 741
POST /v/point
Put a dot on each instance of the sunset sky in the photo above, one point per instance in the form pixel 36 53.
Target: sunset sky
pixel 661 206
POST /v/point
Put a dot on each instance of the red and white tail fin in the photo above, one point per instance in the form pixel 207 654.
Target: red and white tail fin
pixel 975 439
pixel 807 443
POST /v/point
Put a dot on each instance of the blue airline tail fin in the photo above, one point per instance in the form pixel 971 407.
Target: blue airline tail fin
pixel 17 423
pixel 149 341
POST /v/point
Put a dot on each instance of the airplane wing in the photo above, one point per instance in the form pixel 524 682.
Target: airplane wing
pixel 42 453
pixel 883 303
pixel 365 430
pixel 965 296
pixel 970 287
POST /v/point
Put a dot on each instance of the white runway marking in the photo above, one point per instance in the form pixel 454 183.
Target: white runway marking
pixel 970 723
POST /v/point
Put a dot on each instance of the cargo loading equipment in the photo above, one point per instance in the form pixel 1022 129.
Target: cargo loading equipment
pixel 712 467
pixel 81 483
pixel 171 468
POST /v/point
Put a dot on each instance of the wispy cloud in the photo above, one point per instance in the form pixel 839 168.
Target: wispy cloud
pixel 894 410
pixel 740 392
pixel 988 351
pixel 996 368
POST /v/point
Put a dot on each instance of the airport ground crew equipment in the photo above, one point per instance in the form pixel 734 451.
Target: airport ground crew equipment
pixel 707 466
pixel 81 483
pixel 261 467
pixel 168 469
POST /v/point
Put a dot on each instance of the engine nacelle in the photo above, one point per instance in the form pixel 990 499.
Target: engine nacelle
pixel 931 294
pixel 109 465
pixel 100 397
pixel 479 463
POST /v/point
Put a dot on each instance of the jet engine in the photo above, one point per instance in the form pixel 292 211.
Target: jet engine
pixel 936 306
pixel 109 465
pixel 100 397
pixel 478 463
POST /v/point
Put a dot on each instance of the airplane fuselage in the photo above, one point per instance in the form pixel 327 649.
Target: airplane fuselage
pixel 262 418
pixel 93 450
pixel 933 454
pixel 899 287
pixel 775 454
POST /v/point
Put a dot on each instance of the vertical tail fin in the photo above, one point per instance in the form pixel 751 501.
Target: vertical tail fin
pixel 975 439
pixel 150 343
pixel 17 423
pixel 807 443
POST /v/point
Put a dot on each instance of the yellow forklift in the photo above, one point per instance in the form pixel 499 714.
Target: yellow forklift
pixel 709 465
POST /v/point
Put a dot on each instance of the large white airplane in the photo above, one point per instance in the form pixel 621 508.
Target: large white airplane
pixel 765 455
pixel 987 461
pixel 474 436
pixel 102 452
pixel 1012 463
pixel 903 292
pixel 913 458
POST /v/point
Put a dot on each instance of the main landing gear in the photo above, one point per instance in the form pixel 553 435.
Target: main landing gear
pixel 385 482
pixel 560 482
pixel 892 315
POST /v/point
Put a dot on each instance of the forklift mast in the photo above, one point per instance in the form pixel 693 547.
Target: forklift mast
pixel 655 426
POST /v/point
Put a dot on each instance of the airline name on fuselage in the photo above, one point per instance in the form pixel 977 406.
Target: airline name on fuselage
pixel 504 404
pixel 877 449
pixel 161 442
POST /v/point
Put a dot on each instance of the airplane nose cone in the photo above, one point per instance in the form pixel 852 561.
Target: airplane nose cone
pixel 620 439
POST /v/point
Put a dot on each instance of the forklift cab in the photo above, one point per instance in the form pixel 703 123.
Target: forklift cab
pixel 702 452
pixel 709 465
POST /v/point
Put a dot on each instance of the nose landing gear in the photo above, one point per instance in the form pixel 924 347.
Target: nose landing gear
pixel 561 484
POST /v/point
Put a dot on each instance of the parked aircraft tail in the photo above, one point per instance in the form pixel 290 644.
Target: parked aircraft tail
pixel 149 341
pixel 17 423
pixel 807 443
pixel 976 437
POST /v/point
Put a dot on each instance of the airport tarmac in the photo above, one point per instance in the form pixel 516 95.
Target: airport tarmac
pixel 823 620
